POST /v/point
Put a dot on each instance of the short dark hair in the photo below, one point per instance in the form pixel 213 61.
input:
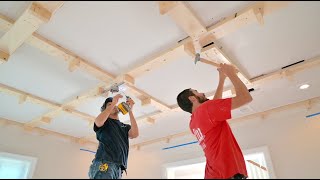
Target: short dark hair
pixel 183 100
pixel 104 106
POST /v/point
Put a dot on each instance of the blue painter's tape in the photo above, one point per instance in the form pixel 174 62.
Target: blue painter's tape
pixel 87 151
pixel 193 142
pixel 311 115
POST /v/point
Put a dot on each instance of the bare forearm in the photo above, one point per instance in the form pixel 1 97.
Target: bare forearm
pixel 134 126
pixel 219 91
pixel 103 116
pixel 240 87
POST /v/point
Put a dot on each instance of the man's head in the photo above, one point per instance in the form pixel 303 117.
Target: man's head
pixel 107 103
pixel 188 98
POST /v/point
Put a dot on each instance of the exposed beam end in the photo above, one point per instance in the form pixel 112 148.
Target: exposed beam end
pixel 258 13
pixel 39 11
pixel 150 120
pixel 23 98
pixel 146 101
pixel 128 79
pixel 46 120
pixel 4 57
pixel 166 6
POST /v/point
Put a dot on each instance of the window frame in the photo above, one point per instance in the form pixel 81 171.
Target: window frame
pixel 32 160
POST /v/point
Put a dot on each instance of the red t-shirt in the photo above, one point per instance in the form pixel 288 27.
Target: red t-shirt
pixel 208 123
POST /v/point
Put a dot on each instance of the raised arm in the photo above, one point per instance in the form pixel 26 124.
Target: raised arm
pixel 103 116
pixel 219 90
pixel 134 131
pixel 242 94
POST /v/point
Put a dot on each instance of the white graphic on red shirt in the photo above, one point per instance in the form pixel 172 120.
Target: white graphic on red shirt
pixel 197 132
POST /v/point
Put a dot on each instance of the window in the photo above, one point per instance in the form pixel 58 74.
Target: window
pixel 258 163
pixel 14 166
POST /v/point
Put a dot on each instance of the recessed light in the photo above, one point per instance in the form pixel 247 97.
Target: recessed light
pixel 305 86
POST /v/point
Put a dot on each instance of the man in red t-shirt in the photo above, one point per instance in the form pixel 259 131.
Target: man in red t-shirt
pixel 208 123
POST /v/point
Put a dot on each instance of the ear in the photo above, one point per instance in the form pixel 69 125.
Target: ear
pixel 192 99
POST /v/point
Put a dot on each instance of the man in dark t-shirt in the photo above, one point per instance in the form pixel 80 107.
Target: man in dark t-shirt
pixel 113 136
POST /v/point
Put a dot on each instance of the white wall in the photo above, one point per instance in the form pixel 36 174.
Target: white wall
pixel 293 142
pixel 55 158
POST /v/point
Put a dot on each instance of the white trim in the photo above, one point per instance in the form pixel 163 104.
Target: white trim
pixel 180 163
pixel 265 151
pixel 32 160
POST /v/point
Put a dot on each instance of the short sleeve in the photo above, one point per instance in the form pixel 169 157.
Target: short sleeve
pixel 96 128
pixel 219 109
pixel 128 127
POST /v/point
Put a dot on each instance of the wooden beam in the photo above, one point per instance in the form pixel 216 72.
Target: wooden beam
pixel 147 99
pixel 158 60
pixel 71 110
pixel 35 15
pixel 184 17
pixel 289 71
pixel 46 120
pixel 41 131
pixel 51 6
pixel 27 96
pixel 150 120
pixel 216 56
pixel 23 96
pixel 56 50
pixel 212 51
pixel 231 121
pixel 159 105
pixel 254 13
pixel 70 107
pixel 190 50
pixel 166 6
pixel 75 61
pixel 3 56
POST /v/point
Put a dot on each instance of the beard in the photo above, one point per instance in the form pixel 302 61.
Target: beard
pixel 202 99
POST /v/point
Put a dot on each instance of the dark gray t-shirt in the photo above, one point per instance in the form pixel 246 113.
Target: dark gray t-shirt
pixel 113 140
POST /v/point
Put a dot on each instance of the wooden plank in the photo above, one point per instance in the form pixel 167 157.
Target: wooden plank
pixel 212 51
pixel 186 19
pixel 289 71
pixel 159 105
pixel 23 96
pixel 51 6
pixel 150 120
pixel 3 56
pixel 55 50
pixel 46 120
pixel 5 23
pixel 158 61
pixel 40 130
pixel 23 28
pixel 251 14
pixel 166 6
pixel 30 97
pixel 148 99
pixel 71 110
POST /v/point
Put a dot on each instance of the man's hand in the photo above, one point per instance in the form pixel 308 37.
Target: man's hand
pixel 228 70
pixel 130 102
pixel 116 98
pixel 222 76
